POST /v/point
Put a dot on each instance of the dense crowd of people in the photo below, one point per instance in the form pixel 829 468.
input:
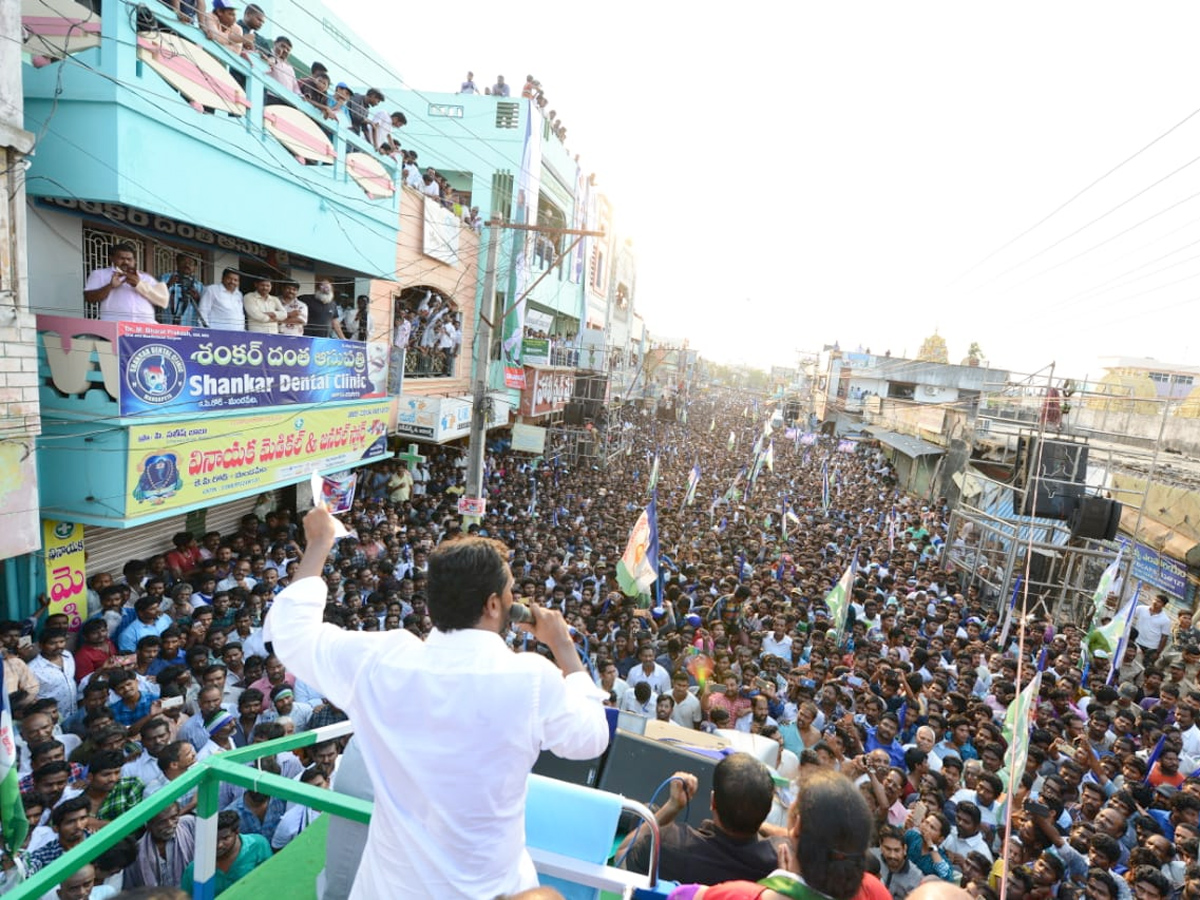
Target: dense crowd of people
pixel 905 704
pixel 427 336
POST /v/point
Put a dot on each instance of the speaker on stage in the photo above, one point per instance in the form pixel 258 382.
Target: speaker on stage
pixel 1055 478
pixel 1096 518
pixel 636 766
pixel 584 772
pixel 573 413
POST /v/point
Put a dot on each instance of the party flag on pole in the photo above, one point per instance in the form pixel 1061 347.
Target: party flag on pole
pixel 693 480
pixel 838 599
pixel 732 441
pixel 653 476
pixel 825 486
pixel 1106 585
pixel 1017 727
pixel 637 569
pixel 15 825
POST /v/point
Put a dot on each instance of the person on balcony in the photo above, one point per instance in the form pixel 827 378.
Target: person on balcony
pixel 449 804
pixel 281 69
pixel 264 312
pixel 322 312
pixel 297 312
pixel 221 304
pixel 221 26
pixel 251 23
pixel 183 291
pixel 124 293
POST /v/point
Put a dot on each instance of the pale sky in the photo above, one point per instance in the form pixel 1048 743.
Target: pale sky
pixel 796 174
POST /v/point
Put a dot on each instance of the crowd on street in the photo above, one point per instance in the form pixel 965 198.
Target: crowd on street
pixel 903 697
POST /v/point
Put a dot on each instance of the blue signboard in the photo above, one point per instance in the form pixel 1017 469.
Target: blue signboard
pixel 1153 568
pixel 171 370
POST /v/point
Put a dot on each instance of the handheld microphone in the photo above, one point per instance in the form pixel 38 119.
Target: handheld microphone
pixel 520 614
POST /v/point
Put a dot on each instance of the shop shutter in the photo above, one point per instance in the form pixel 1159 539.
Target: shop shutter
pixel 108 549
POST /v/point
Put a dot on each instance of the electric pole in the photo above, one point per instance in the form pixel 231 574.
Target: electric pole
pixel 489 321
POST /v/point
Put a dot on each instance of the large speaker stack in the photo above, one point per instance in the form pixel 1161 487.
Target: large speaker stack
pixel 1096 518
pixel 1055 476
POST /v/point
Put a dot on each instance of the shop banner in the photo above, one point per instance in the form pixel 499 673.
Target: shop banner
pixel 546 390
pixel 169 370
pixel 535 351
pixel 177 464
pixel 1153 568
pixel 435 419
pixel 514 377
pixel 66 579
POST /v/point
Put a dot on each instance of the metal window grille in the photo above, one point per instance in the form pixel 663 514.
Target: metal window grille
pixel 508 114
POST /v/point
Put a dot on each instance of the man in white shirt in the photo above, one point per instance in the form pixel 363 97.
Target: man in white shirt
pixel 1153 627
pixel 450 774
pixel 686 711
pixel 297 311
pixel 221 304
pixel 124 293
pixel 649 671
pixel 778 642
pixel 612 683
pixel 264 312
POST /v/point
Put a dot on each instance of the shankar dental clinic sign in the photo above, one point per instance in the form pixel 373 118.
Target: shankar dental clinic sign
pixel 168 370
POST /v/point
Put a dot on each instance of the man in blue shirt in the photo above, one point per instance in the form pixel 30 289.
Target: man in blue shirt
pixel 150 619
pixel 883 737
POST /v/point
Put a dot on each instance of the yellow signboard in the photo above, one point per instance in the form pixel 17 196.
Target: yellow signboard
pixel 66 581
pixel 176 464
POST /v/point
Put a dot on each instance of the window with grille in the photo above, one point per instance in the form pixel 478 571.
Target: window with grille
pixel 97 254
pixel 502 194
pixel 508 114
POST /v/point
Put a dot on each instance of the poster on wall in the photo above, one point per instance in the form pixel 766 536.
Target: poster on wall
pixel 178 464
pixel 66 576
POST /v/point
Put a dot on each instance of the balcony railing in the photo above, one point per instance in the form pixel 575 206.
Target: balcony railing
pixel 222 88
pixel 236 767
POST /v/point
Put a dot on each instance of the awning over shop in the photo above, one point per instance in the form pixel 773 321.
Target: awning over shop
pixel 905 443
pixel 1158 535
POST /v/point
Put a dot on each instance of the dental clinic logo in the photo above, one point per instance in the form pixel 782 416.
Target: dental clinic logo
pixel 155 374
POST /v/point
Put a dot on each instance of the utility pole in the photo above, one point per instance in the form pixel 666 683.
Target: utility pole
pixel 484 338
pixel 482 365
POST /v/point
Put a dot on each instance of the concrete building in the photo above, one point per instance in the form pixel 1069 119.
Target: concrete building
pixel 20 526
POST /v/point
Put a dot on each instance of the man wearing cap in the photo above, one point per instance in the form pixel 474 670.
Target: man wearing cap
pixel 221 26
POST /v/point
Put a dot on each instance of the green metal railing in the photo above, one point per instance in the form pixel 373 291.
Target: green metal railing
pixel 206 778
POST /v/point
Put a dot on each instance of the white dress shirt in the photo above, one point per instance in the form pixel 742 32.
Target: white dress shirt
pixel 57 683
pixel 222 309
pixel 449 729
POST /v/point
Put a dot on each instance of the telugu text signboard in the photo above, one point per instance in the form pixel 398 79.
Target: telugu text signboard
pixel 546 390
pixel 177 464
pixel 169 370
pixel 535 351
pixel 1157 569
pixel 66 576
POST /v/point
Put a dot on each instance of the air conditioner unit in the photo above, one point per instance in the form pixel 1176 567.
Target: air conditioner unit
pixel 929 390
